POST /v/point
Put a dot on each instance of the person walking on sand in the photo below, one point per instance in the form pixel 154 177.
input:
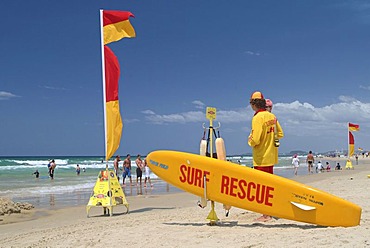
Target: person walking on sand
pixel 264 138
pixel 147 174
pixel 127 169
pixel 116 166
pixel 139 169
pixel 295 163
pixel 310 160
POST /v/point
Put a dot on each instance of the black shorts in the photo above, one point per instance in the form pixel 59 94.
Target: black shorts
pixel 139 172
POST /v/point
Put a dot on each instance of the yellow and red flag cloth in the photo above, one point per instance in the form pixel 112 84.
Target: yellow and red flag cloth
pixel 351 145
pixel 353 127
pixel 113 117
pixel 116 25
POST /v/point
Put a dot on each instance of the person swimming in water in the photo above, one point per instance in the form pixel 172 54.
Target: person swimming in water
pixel 36 173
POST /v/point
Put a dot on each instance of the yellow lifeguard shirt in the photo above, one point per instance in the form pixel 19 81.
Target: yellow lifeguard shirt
pixel 262 137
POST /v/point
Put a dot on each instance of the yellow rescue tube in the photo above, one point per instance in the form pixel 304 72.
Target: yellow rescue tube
pixel 220 149
pixel 203 147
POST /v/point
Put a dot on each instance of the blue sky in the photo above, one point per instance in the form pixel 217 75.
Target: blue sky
pixel 310 57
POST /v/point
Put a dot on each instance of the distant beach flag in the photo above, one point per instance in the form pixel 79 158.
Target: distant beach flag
pixel 353 127
pixel 114 25
pixel 351 144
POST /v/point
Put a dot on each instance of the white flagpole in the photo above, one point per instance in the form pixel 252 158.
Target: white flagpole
pixel 348 139
pixel 103 75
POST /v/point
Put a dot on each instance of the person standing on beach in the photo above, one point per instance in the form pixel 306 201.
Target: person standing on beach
pixel 310 160
pixel 295 163
pixel 147 174
pixel 116 165
pixel 139 169
pixel 127 169
pixel 262 138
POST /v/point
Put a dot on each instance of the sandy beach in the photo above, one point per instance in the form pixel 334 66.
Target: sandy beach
pixel 174 220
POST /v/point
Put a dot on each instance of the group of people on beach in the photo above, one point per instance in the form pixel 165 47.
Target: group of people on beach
pixel 310 161
pixel 141 166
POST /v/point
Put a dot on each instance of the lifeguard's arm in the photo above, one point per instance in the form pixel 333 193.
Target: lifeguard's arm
pixel 280 132
pixel 255 136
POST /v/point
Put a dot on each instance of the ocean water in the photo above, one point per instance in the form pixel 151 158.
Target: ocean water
pixel 67 189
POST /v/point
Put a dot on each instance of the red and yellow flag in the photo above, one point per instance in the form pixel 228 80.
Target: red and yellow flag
pixel 113 117
pixel 353 127
pixel 116 25
pixel 351 144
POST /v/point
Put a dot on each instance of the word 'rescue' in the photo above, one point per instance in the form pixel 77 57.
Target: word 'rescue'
pixel 251 191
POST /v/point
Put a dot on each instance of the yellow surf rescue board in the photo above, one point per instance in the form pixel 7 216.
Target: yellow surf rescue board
pixel 250 189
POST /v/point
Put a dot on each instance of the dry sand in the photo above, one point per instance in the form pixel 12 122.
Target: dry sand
pixel 174 220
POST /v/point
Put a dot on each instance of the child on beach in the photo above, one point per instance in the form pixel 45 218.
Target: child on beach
pixel 338 167
pixel 147 174
pixel 320 167
pixel 327 166
pixel 295 163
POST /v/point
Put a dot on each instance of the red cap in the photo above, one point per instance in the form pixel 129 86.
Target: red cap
pixel 257 95
pixel 268 103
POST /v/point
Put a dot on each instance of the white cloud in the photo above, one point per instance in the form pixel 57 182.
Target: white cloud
pixel 127 121
pixel 51 87
pixel 253 53
pixel 198 104
pixel 365 87
pixel 6 95
pixel 186 117
pixel 148 112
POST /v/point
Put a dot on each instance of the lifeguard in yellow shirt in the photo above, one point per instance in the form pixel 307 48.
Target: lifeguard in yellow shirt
pixel 264 138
